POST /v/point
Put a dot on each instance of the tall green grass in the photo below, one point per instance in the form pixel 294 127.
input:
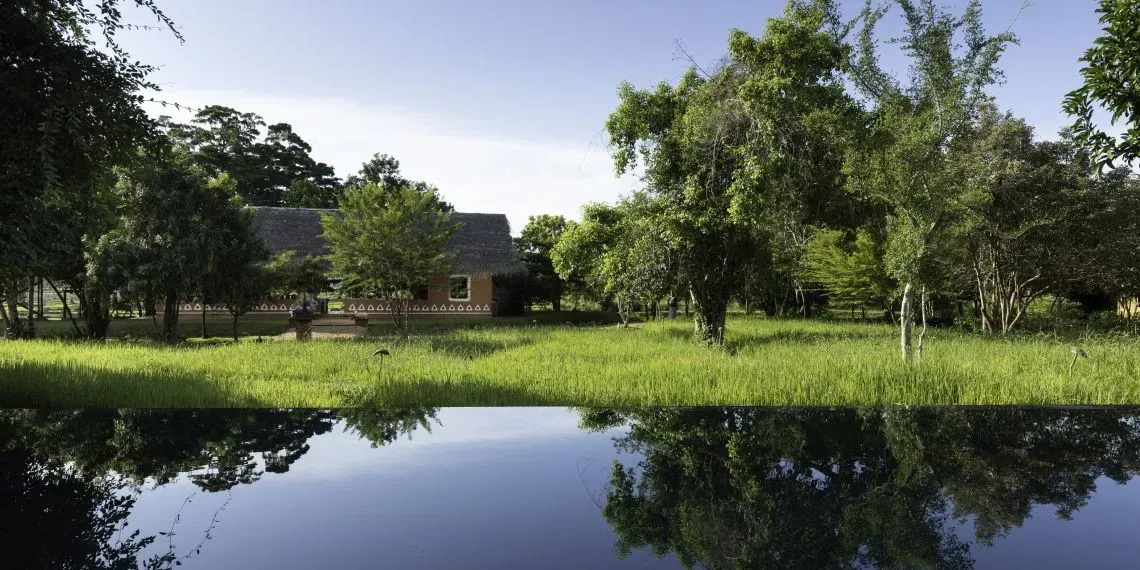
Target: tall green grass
pixel 766 362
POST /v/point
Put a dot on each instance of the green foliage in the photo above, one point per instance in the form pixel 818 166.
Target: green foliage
pixel 1016 195
pixel 72 110
pixel 290 276
pixel 534 246
pixel 176 229
pixel 876 488
pixel 275 171
pixel 722 151
pixel 305 193
pixel 388 243
pixel 71 479
pixel 904 158
pixel 384 171
pixel 852 271
pixel 239 279
pixel 1112 65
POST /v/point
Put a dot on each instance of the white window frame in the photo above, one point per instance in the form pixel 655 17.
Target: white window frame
pixel 468 297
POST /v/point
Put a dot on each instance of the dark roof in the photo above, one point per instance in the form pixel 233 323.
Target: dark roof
pixel 481 246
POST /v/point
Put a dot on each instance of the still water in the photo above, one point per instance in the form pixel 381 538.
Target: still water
pixel 570 488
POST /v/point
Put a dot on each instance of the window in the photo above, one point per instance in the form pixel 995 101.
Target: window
pixel 460 288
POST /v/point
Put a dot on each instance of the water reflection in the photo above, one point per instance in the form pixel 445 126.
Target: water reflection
pixel 69 480
pixel 713 488
pixel 812 488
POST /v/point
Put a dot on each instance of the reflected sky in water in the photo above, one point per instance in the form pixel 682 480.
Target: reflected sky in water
pixel 505 488
pixel 539 487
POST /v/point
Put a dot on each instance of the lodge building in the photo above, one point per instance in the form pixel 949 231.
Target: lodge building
pixel 482 252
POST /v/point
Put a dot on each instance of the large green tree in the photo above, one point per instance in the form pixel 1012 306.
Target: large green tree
pixel 277 170
pixel 388 243
pixel 905 156
pixel 70 108
pixel 384 171
pixel 1016 192
pixel 174 222
pixel 618 252
pixel 534 245
pixel 724 149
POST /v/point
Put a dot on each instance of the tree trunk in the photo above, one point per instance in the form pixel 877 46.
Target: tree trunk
pixel 13 327
pixel 922 311
pixel 66 309
pixel 906 318
pixel 96 316
pixel 710 316
pixel 4 318
pixel 170 318
pixel 235 327
pixel 31 332
pixel 204 334
pixel 556 300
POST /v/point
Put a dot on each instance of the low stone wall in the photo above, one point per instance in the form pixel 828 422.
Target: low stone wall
pixel 379 307
pixel 279 306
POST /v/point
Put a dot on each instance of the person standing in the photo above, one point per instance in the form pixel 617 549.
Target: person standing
pixel 673 307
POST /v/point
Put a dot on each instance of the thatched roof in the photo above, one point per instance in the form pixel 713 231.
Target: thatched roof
pixel 481 246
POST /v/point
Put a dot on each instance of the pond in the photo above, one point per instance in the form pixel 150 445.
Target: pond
pixel 571 488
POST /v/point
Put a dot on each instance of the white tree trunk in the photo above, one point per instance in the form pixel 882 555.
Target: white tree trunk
pixel 922 311
pixel 906 318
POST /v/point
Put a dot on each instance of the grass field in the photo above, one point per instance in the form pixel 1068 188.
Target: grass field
pixel 766 362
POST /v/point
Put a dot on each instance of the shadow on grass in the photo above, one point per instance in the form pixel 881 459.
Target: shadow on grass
pixel 441 393
pixel 39 385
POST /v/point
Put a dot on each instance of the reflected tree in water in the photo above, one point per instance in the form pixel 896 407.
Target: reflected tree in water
pixel 69 479
pixel 381 426
pixel 54 516
pixel 811 488
pixel 218 448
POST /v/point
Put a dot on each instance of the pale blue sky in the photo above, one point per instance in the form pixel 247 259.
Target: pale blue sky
pixel 501 103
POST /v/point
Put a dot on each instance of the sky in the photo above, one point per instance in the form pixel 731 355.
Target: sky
pixel 502 103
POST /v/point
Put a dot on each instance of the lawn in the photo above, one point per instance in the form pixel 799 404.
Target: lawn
pixel 511 362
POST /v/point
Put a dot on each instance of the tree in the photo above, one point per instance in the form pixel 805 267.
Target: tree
pixel 534 245
pixel 579 253
pixel 72 109
pixel 304 193
pixel 1112 65
pixel 384 171
pixel 1096 238
pixel 288 158
pixel 851 271
pixel 172 223
pixel 274 171
pixel 1015 192
pixel 810 488
pixel 306 276
pixel 721 147
pixel 388 243
pixel 240 280
pixel 904 158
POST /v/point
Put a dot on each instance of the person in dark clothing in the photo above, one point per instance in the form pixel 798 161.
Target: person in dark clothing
pixel 673 307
